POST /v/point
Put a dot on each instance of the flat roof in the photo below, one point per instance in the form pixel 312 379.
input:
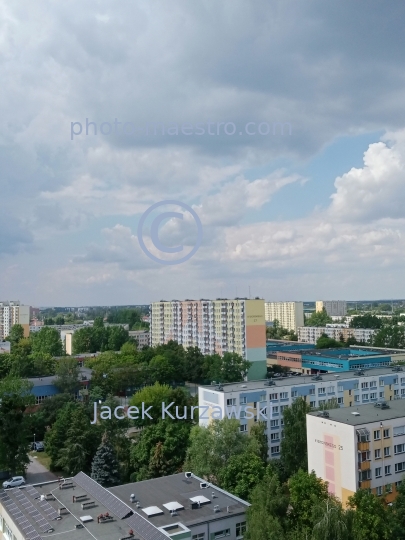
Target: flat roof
pixel 47 381
pixel 297 380
pixel 367 413
pixel 161 491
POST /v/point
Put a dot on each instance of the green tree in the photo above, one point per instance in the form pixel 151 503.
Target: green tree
pixel 67 375
pixel 366 321
pixel 231 367
pixel 194 365
pixel 160 450
pixel 325 342
pixel 259 441
pixel 47 341
pixel 105 467
pixel 267 514
pixel 210 448
pixel 306 490
pixel 330 521
pixel 15 396
pixel 294 444
pixel 161 370
pixel 59 321
pixel 16 334
pixel 371 518
pixel 318 318
pixel 391 336
pixel 241 474
pixel 55 438
pixel 397 511
pixel 81 442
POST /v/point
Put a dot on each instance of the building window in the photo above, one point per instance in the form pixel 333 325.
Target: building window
pixel 283 408
pixel 356 398
pixel 231 402
pixel 222 534
pixel 373 384
pixel 275 450
pixel 377 453
pixel 240 529
pixel 199 536
pixel 398 483
pixel 273 396
pixel 243 400
pixel 312 404
pixel 396 380
pixel 356 386
pixel 387 451
pixel 365 397
pixel 340 400
pixel 381 394
pixel 275 410
pixel 399 448
pixel 294 393
pixel 243 428
pixel 377 435
pixel 273 423
pixel 242 414
pixel 322 401
pixel 382 383
pixel 379 490
pixel 400 467
pixel 388 488
pixel 340 388
pixel 262 397
pixel 396 392
pixel 350 392
pixel 364 385
pixel 281 422
pixel 321 391
pixel 378 472
pixel 399 430
pixel 274 436
pixel 284 395
pixel 386 433
pixel 373 395
pixel 312 391
pixel 387 470
pixel 331 390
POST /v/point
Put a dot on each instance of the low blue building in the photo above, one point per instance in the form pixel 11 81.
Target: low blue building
pixel 44 387
pixel 331 360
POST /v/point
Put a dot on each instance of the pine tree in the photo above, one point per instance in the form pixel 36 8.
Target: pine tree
pixel 105 467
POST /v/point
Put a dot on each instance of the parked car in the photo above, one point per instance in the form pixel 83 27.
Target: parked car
pixel 14 481
pixel 38 446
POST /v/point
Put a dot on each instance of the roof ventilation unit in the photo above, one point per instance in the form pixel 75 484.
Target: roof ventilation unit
pixel 132 498
pixel 270 382
pixel 204 485
pixel 188 474
pixel 324 414
pixel 217 508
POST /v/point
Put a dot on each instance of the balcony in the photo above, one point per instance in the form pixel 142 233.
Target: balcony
pixel 363 465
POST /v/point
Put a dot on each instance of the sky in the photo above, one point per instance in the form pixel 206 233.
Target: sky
pixel 281 123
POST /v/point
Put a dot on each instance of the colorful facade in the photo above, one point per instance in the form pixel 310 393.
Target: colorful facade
pixel 214 326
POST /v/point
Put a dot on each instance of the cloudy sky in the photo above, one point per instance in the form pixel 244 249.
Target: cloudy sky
pixel 317 212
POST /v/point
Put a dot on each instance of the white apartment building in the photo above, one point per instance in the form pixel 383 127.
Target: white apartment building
pixel 5 347
pixel 348 388
pixel 311 334
pixel 290 315
pixel 141 336
pixel 214 326
pixel 336 308
pixel 361 448
pixel 11 313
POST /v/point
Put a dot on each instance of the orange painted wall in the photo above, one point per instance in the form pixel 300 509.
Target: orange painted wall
pixel 255 336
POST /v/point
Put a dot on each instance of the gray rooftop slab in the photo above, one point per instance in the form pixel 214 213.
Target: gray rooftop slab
pixel 178 488
pixel 367 413
pixel 302 379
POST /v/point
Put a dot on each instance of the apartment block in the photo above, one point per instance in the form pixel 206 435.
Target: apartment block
pixel 11 313
pixel 268 399
pixel 290 315
pixel 310 334
pixel 141 336
pixel 334 308
pixel 361 448
pixel 214 326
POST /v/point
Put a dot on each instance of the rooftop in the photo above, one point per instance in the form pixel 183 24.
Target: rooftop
pixel 75 505
pixel 47 381
pixel 366 413
pixel 297 380
pixel 179 489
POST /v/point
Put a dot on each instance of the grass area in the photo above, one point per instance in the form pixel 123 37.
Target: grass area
pixel 44 460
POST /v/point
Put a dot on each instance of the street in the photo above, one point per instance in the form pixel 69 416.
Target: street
pixel 37 473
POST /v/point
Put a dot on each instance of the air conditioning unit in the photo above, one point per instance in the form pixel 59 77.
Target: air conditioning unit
pixel 204 485
pixel 188 474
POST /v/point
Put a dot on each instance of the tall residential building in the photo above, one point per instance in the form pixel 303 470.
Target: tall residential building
pixel 359 448
pixel 266 400
pixel 12 313
pixel 290 315
pixel 214 326
pixel 334 308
